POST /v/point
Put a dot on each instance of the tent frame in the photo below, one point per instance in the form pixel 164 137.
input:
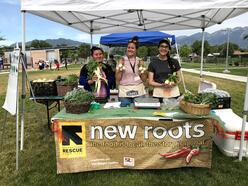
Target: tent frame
pixel 141 23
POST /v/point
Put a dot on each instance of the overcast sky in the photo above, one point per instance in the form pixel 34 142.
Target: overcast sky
pixel 40 28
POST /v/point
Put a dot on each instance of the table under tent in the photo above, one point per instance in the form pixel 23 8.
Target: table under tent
pixel 104 17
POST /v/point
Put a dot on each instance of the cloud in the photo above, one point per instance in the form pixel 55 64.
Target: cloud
pixel 60 33
pixel 82 37
pixel 6 43
pixel 11 2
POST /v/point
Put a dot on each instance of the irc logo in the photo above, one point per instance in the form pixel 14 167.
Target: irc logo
pixel 73 143
pixel 70 133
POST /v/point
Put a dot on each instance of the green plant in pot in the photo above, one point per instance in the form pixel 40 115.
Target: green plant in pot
pixel 78 101
pixel 66 84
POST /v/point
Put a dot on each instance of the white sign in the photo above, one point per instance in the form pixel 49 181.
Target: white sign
pixel 11 94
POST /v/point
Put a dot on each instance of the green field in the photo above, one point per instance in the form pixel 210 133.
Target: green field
pixel 38 163
pixel 240 71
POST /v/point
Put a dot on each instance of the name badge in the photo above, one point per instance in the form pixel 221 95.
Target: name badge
pixel 132 93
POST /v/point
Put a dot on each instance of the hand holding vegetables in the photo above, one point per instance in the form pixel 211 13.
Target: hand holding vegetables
pixel 94 72
pixel 142 69
pixel 172 80
pixel 120 66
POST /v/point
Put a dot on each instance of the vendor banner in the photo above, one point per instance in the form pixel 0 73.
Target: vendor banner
pixel 132 144
pixel 10 102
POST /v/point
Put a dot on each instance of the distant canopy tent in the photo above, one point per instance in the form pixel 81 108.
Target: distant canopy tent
pixel 145 38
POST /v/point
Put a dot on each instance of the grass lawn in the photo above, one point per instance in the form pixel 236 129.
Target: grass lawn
pixel 240 71
pixel 38 163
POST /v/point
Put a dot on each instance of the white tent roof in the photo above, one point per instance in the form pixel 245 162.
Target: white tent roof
pixel 110 16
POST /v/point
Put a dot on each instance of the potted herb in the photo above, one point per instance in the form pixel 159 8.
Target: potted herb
pixel 78 101
pixel 66 84
pixel 197 104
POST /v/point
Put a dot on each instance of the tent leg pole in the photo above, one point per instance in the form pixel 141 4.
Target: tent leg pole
pixel 244 122
pixel 202 51
pixel 242 138
pixel 91 33
pixel 23 79
pixel 181 73
pixel 17 129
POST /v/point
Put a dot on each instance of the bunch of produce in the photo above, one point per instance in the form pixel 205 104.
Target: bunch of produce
pixel 204 98
pixel 172 79
pixel 71 79
pixel 42 80
pixel 121 67
pixel 93 68
pixel 79 96
pixel 142 68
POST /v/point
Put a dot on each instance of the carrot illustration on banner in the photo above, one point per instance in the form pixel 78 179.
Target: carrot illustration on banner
pixel 177 154
pixel 185 152
pixel 193 152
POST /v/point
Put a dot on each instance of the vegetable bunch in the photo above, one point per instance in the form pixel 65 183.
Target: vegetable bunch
pixel 120 67
pixel 79 96
pixel 172 79
pixel 142 68
pixel 93 68
pixel 43 80
pixel 71 79
pixel 205 98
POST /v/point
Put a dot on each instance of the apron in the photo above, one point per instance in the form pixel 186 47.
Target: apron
pixel 132 91
pixel 162 92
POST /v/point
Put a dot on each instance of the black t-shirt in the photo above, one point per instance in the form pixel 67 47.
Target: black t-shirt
pixel 161 68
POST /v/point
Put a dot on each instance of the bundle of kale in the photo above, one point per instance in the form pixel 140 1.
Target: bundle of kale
pixel 204 98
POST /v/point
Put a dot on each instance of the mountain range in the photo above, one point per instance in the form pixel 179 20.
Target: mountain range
pixel 236 36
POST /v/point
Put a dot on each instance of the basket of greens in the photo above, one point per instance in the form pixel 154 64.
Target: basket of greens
pixel 78 101
pixel 66 84
pixel 197 104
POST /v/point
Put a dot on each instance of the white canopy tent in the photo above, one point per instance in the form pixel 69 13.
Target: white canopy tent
pixel 111 16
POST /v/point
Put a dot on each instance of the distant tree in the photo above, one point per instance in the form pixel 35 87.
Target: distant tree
pixel 152 50
pixel 196 47
pixel 118 51
pixel 232 48
pixel 142 52
pixel 84 51
pixel 40 44
pixel 1 48
pixel 185 50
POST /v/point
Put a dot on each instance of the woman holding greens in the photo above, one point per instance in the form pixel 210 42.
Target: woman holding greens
pixel 164 73
pixel 96 76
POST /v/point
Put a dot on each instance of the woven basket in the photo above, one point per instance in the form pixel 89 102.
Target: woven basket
pixel 77 108
pixel 196 109
pixel 63 89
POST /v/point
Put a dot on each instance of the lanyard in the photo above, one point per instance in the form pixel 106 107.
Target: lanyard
pixel 132 66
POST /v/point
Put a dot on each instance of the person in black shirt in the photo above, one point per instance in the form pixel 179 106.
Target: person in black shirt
pixel 160 69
